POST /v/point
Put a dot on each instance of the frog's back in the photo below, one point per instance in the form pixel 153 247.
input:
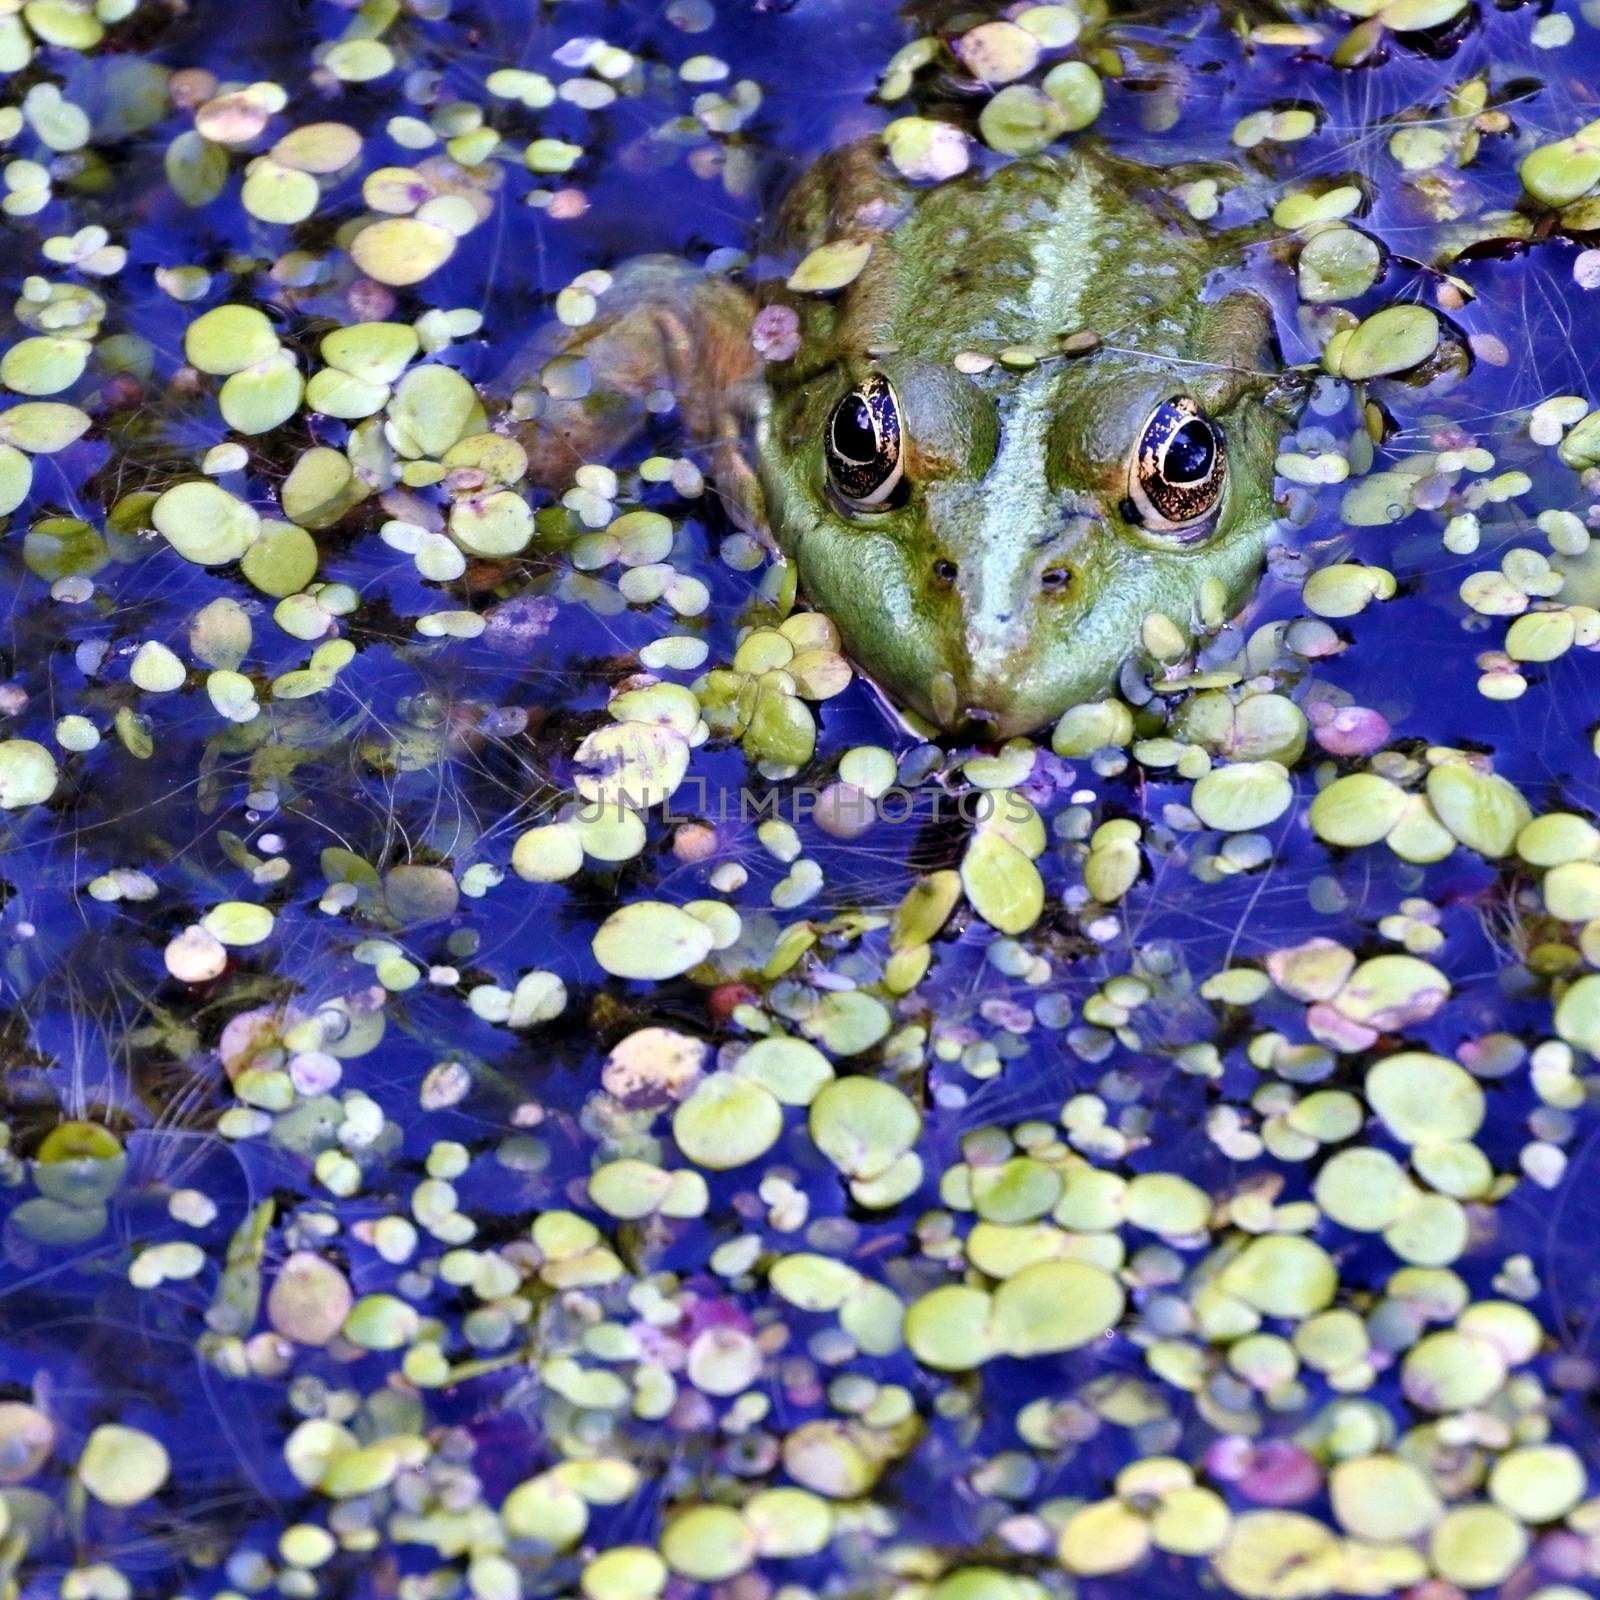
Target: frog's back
pixel 1040 247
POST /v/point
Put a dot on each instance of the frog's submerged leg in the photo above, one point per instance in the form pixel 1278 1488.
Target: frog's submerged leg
pixel 662 324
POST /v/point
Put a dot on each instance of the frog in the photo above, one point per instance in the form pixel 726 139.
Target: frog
pixel 1044 411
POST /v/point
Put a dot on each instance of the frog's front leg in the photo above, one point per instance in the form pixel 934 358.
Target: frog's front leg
pixel 661 325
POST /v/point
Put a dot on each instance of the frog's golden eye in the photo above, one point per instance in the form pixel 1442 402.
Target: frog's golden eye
pixel 1179 468
pixel 862 445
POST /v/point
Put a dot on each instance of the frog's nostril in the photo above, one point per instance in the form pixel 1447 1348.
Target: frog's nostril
pixel 1056 578
pixel 945 571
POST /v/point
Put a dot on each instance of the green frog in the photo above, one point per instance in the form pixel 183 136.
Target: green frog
pixel 987 518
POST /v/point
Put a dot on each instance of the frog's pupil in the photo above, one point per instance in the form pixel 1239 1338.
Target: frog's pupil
pixel 1191 454
pixel 853 436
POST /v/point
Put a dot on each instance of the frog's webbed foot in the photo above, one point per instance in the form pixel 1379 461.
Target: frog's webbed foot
pixel 665 332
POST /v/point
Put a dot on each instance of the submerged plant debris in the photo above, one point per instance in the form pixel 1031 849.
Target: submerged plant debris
pixel 523 1076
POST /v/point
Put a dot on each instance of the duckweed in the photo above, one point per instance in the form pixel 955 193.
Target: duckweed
pixel 728 1121
pixel 1425 1099
pixel 1244 796
pixel 831 266
pixel 1391 340
pixel 1282 1276
pixel 28 773
pixel 1383 1498
pixel 1129 1141
pixel 122 1466
pixel 651 940
pixel 204 523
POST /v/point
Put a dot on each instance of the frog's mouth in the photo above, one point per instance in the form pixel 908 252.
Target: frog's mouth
pixel 979 726
pixel 971 723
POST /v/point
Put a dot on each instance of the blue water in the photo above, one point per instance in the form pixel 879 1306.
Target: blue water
pixel 441 753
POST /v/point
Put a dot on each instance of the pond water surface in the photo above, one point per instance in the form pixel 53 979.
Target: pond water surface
pixel 1184 1188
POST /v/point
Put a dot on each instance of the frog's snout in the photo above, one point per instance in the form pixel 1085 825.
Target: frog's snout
pixel 1015 637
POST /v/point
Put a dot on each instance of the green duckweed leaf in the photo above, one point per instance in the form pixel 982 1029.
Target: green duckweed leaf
pixel 28 774
pixel 1003 885
pixel 402 250
pixel 728 1121
pixel 122 1466
pixel 204 523
pixel 282 560
pixel 863 1126
pixel 1557 174
pixel 650 939
pixel 1054 1306
pixel 708 1543
pixel 831 266
pixel 42 427
pixel 1392 340
pixel 433 406
pixel 1021 120
pixel 229 339
pixel 1077 91
pixel 262 397
pixel 1243 796
pixel 948 1328
pixel 44 365
pixel 1282 1276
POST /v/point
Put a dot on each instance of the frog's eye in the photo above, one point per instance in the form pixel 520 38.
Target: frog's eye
pixel 862 445
pixel 1179 467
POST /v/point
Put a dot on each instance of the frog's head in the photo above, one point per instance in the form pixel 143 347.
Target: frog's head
pixel 990 545
pixel 991 542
